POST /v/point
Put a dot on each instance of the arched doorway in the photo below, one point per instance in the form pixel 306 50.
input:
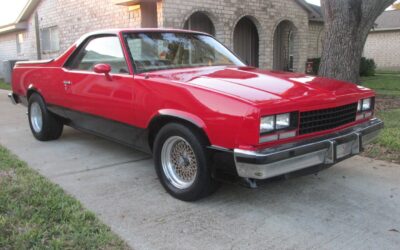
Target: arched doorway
pixel 285 47
pixel 246 41
pixel 199 21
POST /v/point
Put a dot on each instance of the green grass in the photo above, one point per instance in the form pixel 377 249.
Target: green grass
pixel 390 136
pixel 387 146
pixel 384 84
pixel 4 85
pixel 387 72
pixel 36 214
pixel 387 87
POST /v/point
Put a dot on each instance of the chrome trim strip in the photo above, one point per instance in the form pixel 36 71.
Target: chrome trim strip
pixel 218 148
pixel 283 159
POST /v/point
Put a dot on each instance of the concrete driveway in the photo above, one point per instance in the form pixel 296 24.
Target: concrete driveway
pixel 353 205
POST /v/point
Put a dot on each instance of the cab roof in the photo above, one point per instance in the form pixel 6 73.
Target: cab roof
pixel 134 30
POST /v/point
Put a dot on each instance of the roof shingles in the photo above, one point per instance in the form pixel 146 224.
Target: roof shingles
pixel 388 20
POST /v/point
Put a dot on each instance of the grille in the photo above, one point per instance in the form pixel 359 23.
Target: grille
pixel 318 120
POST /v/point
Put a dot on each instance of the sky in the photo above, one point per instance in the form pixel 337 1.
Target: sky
pixel 10 9
pixel 316 2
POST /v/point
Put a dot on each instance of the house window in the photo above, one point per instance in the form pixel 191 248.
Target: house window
pixel 20 40
pixel 50 39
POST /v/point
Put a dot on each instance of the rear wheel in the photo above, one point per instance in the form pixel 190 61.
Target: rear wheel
pixel 181 163
pixel 44 125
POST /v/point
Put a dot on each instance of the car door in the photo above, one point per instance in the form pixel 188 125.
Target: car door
pixel 102 103
pixel 96 94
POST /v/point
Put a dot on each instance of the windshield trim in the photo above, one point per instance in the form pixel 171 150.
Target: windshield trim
pixel 185 67
pixel 137 71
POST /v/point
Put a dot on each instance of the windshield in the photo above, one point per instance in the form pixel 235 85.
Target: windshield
pixel 157 51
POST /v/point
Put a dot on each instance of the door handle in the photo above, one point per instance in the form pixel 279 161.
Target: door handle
pixel 67 82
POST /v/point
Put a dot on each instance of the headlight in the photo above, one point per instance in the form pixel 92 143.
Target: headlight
pixel 267 124
pixel 274 122
pixel 282 121
pixel 364 104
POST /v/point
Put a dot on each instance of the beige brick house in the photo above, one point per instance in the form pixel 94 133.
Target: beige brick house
pixel 383 43
pixel 272 34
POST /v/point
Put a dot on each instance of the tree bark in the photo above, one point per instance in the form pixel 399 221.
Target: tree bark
pixel 347 24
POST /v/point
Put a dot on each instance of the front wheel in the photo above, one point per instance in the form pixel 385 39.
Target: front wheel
pixel 181 163
pixel 45 126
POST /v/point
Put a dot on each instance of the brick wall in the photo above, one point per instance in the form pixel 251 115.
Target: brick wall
pixel 384 48
pixel 8 46
pixel 225 14
pixel 8 49
pixel 76 17
pixel 73 19
pixel 316 33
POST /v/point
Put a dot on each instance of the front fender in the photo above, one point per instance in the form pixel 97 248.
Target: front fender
pixel 191 118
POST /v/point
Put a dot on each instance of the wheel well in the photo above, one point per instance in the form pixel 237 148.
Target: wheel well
pixel 159 122
pixel 30 92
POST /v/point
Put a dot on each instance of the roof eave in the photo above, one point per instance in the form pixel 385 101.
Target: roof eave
pixel 313 15
pixel 385 29
pixel 15 27
pixel 131 2
pixel 27 11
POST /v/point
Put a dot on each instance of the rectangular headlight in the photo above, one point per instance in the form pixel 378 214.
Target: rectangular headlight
pixel 267 124
pixel 282 121
pixel 274 122
pixel 366 104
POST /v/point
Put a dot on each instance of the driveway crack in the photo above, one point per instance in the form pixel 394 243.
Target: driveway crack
pixel 102 167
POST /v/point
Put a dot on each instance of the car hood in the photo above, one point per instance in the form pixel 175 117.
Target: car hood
pixel 260 86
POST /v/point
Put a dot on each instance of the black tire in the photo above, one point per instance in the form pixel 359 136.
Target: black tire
pixel 203 184
pixel 52 126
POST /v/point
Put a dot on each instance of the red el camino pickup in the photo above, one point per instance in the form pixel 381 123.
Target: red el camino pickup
pixel 201 112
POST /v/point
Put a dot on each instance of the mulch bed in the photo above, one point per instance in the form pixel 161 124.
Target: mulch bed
pixel 385 103
pixel 378 152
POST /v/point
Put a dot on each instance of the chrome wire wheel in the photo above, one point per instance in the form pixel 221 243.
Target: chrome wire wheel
pixel 179 162
pixel 36 117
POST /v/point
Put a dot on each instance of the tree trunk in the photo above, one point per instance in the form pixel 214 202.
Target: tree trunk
pixel 347 24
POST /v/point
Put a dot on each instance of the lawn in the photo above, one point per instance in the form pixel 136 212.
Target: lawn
pixel 387 86
pixel 36 214
pixel 384 83
pixel 4 85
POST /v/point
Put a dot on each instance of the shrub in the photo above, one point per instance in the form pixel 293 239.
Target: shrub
pixel 367 66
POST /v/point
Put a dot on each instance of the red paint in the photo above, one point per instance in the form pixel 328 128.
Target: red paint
pixel 102 68
pixel 227 102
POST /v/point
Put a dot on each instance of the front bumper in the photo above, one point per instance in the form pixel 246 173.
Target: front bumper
pixel 287 158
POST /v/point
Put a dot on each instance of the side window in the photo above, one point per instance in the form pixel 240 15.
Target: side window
pixel 106 50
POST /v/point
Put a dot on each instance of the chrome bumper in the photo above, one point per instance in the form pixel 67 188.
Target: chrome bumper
pixel 12 97
pixel 291 157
